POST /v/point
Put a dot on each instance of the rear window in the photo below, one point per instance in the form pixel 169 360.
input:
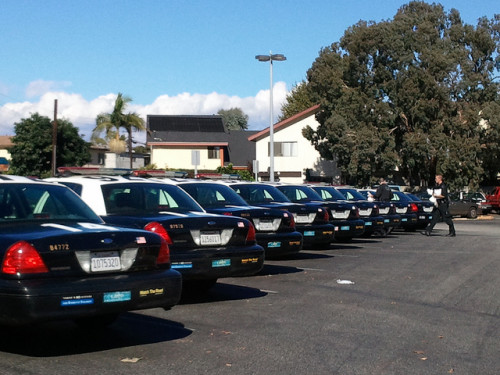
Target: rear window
pixel 143 198
pixel 42 202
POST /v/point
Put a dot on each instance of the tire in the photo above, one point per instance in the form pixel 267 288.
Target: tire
pixel 96 322
pixel 472 214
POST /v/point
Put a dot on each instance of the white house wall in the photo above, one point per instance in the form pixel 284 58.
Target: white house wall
pixel 181 158
pixel 307 156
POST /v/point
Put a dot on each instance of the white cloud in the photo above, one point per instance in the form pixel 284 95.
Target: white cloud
pixel 40 87
pixel 82 113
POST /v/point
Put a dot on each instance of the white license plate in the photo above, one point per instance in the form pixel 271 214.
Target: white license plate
pixel 302 218
pixel 105 261
pixel 210 239
pixel 266 225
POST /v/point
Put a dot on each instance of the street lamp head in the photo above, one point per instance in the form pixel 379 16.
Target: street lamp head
pixel 278 57
pixel 263 57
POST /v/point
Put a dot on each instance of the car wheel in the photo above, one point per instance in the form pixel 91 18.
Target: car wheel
pixel 472 214
pixel 96 322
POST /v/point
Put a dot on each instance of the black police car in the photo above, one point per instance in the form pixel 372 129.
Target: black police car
pixel 344 215
pixel 60 261
pixel 368 211
pixel 275 228
pixel 203 246
pixel 311 219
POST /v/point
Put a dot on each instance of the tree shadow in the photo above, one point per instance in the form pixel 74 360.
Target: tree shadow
pixel 66 338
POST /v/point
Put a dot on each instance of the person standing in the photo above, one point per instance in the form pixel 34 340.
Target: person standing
pixel 383 193
pixel 440 211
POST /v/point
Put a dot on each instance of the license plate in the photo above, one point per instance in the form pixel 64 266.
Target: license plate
pixel 345 227
pixel 404 219
pixel 105 261
pixel 309 233
pixel 368 223
pixel 266 225
pixel 421 217
pixel 302 218
pixel 221 263
pixel 387 220
pixel 210 239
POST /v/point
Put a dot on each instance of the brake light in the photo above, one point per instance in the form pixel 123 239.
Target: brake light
pixel 251 233
pixel 22 258
pixel 292 220
pixel 227 214
pixel 413 207
pixel 157 228
pixel 324 211
pixel 164 253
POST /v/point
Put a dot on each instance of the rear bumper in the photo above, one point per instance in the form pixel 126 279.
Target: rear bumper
pixel 277 244
pixel 316 235
pixel 373 223
pixel 409 221
pixel 349 228
pixel 392 221
pixel 30 301
pixel 214 263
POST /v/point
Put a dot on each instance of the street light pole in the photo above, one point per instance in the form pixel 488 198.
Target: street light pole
pixel 271 58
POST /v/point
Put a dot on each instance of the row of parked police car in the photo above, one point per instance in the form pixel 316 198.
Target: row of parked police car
pixel 90 246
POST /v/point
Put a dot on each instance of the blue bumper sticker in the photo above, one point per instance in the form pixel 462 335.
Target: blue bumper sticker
pixel 221 263
pixel 117 296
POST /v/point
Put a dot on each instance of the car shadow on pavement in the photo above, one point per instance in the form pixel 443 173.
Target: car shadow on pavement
pixel 66 338
pixel 222 292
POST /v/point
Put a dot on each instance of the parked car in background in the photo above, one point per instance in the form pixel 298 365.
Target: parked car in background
pixel 423 209
pixel 60 261
pixel 344 215
pixel 493 199
pixel 275 228
pixel 367 211
pixel 311 219
pixel 204 247
pixel 462 204
pixel 407 213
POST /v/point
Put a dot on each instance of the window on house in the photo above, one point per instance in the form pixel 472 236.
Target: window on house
pixel 286 149
pixel 101 157
pixel 214 152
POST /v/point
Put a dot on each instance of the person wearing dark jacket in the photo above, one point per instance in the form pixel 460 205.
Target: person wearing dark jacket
pixel 440 212
pixel 383 192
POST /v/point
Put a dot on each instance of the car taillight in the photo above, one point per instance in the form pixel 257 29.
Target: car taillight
pixel 164 253
pixel 251 233
pixel 291 223
pixel 157 228
pixel 227 214
pixel 413 207
pixel 22 258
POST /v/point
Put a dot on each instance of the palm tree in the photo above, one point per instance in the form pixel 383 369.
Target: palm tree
pixel 112 123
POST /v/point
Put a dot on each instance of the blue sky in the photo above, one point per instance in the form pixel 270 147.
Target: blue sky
pixel 170 56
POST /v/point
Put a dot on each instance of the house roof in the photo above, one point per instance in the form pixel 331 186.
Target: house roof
pixel 5 141
pixel 200 131
pixel 283 124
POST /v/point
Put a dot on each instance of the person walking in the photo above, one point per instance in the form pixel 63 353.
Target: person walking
pixel 440 212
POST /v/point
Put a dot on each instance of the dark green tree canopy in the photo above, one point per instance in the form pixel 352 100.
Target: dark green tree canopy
pixel 234 118
pixel 32 150
pixel 418 94
pixel 298 100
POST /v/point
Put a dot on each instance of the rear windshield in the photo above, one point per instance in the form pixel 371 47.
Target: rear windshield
pixel 28 202
pixel 145 198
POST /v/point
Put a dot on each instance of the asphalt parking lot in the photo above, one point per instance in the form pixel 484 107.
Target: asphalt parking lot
pixel 405 304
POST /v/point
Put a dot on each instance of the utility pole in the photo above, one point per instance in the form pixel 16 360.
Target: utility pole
pixel 54 139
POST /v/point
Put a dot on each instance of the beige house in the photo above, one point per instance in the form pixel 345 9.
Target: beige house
pixel 5 143
pixel 295 159
pixel 178 142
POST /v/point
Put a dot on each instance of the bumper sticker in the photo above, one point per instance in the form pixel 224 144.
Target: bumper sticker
pixel 117 297
pixel 177 265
